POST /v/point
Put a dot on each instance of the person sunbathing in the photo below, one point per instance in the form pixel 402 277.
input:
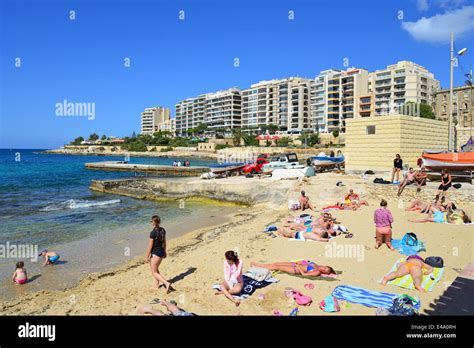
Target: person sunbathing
pixel 304 202
pixel 415 266
pixel 417 205
pixel 233 280
pixel 438 217
pixel 317 235
pixel 170 306
pixel 408 180
pixel 304 268
pixel 420 178
pixel 353 198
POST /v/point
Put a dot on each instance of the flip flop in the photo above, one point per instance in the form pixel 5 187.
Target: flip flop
pixel 277 313
pixel 155 301
pixel 309 286
pixel 350 235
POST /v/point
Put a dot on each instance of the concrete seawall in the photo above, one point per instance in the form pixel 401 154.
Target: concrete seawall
pixel 236 190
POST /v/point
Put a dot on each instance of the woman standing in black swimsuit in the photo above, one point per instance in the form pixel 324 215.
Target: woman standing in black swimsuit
pixel 156 252
pixel 445 185
pixel 397 167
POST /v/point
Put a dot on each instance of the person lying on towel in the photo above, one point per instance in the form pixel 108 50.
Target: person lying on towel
pixel 415 266
pixel 304 268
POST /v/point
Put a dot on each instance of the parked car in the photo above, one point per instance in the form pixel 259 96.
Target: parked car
pixel 256 167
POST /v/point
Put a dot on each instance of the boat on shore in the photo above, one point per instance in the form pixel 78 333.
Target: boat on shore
pixel 226 167
pixel 321 160
pixel 451 161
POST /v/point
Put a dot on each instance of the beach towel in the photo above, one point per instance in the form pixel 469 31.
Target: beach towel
pixel 250 286
pixel 406 282
pixel 403 247
pixel 365 297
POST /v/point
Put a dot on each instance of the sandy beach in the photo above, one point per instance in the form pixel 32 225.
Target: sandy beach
pixel 195 260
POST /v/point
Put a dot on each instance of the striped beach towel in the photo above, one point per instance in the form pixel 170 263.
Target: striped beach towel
pixel 364 297
pixel 406 282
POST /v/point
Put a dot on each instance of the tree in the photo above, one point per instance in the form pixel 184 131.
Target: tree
pixel 335 133
pixel 77 141
pixel 133 135
pixel 250 140
pixel 236 136
pixel 283 141
pixel 93 137
pixel 104 137
pixel 426 111
pixel 309 138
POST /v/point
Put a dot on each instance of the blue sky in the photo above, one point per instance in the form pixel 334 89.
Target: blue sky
pixel 82 60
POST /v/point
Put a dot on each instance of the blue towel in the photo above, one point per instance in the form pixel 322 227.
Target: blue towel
pixel 365 297
pixel 404 249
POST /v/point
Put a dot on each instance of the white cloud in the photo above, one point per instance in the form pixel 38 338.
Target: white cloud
pixel 437 29
pixel 422 5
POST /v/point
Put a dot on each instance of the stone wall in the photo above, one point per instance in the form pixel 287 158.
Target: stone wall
pixel 405 135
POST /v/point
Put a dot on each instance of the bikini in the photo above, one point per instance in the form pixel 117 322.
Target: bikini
pixel 308 265
pixel 410 265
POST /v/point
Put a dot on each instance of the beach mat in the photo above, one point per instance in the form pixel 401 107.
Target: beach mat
pixel 250 286
pixel 406 282
pixel 365 297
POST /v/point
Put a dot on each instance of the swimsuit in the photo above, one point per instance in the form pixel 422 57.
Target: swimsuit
pixel 438 216
pixel 21 281
pixel 308 265
pixel 53 259
pixel 410 264
pixel 299 235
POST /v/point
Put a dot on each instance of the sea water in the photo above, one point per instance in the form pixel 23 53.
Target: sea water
pixel 45 202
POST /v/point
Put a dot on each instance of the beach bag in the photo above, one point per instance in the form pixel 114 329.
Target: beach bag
pixel 378 181
pixel 403 305
pixel 410 239
pixel 457 186
pixel 435 261
pixel 301 299
pixel 329 304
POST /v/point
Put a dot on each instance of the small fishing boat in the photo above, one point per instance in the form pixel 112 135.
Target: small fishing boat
pixel 226 167
pixel 451 161
pixel 323 159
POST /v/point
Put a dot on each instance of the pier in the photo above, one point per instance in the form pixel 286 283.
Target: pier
pixel 120 166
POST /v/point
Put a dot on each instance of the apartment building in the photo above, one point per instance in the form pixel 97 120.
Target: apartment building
pixel 341 90
pixel 399 84
pixel 284 102
pixel 153 118
pixel 221 109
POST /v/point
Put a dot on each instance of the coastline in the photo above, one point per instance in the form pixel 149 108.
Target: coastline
pixel 195 259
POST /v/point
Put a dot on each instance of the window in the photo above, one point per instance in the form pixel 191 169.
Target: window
pixel 370 130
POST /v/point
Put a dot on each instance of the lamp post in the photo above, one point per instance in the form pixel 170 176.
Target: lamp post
pixel 452 133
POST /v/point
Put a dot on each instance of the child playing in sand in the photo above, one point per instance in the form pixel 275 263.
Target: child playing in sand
pixel 20 276
pixel 50 257
pixel 414 265
pixel 383 226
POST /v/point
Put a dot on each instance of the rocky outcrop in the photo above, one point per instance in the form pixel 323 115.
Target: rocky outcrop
pixel 235 190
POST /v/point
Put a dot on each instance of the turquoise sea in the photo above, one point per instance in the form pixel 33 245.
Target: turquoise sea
pixel 45 201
